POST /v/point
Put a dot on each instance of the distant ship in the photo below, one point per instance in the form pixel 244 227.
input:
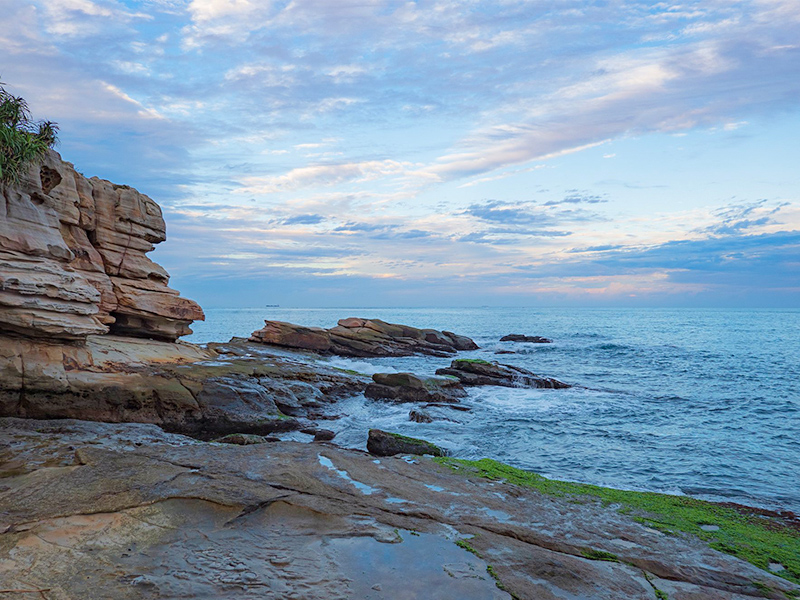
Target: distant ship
pixel 272 305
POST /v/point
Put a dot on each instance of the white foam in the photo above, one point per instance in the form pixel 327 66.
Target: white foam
pixel 360 366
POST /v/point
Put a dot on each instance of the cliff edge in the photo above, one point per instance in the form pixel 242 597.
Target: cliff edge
pixel 73 259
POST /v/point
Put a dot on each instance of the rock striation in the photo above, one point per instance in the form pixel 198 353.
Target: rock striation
pixel 73 259
pixel 363 338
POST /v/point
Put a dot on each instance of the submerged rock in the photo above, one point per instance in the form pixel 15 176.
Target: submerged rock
pixel 531 339
pixel 364 338
pixel 407 387
pixel 480 372
pixel 383 443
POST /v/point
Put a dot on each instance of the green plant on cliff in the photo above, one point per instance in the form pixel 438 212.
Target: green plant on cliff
pixel 22 140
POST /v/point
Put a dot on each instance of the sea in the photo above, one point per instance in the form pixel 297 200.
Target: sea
pixel 698 402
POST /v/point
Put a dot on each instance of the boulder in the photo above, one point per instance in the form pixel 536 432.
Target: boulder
pixel 363 338
pixel 407 387
pixel 419 416
pixel 324 435
pixel 531 339
pixel 472 372
pixel 383 443
pixel 73 259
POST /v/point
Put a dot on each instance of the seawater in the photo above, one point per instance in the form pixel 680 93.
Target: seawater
pixel 688 401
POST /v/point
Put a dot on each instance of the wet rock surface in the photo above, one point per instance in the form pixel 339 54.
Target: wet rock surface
pixel 530 339
pixel 102 511
pixel 480 372
pixel 363 338
pixel 407 387
pixel 384 443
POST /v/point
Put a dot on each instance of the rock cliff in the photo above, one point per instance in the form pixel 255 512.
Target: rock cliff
pixel 73 259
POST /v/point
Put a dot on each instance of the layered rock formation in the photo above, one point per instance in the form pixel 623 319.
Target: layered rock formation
pixel 179 386
pixel 363 338
pixel 73 259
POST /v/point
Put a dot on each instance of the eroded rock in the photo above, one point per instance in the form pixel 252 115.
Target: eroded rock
pixel 363 338
pixel 73 259
pixel 480 372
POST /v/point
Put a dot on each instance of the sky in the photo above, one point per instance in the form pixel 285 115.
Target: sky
pixel 438 153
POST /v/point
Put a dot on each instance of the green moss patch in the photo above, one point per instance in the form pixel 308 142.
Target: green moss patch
pixel 593 554
pixel 758 539
pixel 433 448
pixel 466 546
pixel 474 361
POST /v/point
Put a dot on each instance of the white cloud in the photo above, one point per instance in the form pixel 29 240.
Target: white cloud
pixel 324 175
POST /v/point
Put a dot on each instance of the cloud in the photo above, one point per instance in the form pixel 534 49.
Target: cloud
pixel 374 138
pixel 323 175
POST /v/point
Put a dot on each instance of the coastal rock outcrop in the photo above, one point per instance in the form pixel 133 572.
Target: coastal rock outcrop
pixel 480 372
pixel 407 387
pixel 531 339
pixel 73 259
pixel 126 511
pixel 363 338
pixel 181 387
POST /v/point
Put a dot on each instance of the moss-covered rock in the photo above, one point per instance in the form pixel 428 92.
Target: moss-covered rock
pixel 383 443
pixel 750 534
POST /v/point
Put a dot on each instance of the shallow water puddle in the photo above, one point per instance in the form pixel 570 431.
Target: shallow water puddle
pixel 422 566
pixel 365 489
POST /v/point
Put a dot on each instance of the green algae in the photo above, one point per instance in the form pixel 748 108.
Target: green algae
pixel 593 554
pixel 467 546
pixel 474 361
pixel 757 539
pixel 350 372
pixel 428 446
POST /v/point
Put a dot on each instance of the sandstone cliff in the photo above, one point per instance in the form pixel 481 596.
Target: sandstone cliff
pixel 73 259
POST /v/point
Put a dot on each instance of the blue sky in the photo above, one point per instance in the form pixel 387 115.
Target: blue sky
pixel 370 152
